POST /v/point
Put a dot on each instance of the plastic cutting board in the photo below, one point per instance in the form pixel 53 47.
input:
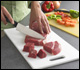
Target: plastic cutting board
pixel 68 53
pixel 71 30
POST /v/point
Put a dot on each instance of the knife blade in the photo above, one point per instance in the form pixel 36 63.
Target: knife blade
pixel 26 30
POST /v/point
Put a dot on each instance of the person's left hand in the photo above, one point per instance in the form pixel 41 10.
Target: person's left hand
pixel 39 16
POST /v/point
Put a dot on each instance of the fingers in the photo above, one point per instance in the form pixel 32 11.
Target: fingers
pixel 40 25
pixel 3 18
pixel 45 26
pixel 7 14
pixel 47 23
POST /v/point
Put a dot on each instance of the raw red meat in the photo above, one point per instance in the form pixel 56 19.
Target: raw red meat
pixel 48 47
pixel 52 47
pixel 57 48
pixel 36 41
pixel 29 46
pixel 35 27
pixel 42 53
pixel 32 53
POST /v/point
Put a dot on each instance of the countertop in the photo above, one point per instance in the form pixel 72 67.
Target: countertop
pixel 12 59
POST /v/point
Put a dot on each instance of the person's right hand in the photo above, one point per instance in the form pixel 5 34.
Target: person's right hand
pixel 4 13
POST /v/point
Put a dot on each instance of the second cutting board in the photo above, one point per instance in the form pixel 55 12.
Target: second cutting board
pixel 71 30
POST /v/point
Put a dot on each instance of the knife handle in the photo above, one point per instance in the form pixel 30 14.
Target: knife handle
pixel 15 23
pixel 61 10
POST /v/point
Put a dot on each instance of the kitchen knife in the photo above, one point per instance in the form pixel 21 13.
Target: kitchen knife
pixel 61 10
pixel 26 30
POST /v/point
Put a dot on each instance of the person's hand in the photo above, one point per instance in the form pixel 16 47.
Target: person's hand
pixel 4 13
pixel 39 16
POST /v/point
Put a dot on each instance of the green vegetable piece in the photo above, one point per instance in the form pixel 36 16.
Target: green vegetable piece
pixel 49 17
pixel 74 13
pixel 53 16
pixel 59 16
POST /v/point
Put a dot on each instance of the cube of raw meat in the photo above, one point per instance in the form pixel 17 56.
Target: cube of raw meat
pixel 36 41
pixel 52 47
pixel 32 53
pixel 57 48
pixel 42 53
pixel 48 47
pixel 29 46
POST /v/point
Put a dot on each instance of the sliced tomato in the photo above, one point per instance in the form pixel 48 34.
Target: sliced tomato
pixel 73 21
pixel 60 22
pixel 48 15
pixel 72 24
pixel 56 13
pixel 64 19
pixel 68 18
pixel 67 24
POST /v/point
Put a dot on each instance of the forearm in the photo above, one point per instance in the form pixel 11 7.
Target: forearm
pixel 35 4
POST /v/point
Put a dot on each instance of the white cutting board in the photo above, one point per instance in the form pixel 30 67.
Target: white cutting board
pixel 68 52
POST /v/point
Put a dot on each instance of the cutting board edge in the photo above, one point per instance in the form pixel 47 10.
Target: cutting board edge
pixel 65 31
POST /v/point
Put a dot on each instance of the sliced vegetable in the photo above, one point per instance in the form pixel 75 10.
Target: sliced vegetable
pixel 60 22
pixel 58 18
pixel 48 15
pixel 53 16
pixel 73 21
pixel 72 24
pixel 62 19
pixel 67 24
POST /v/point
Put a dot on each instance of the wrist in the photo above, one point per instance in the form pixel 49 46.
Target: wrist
pixel 35 4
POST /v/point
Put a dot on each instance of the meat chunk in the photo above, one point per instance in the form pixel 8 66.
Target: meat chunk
pixel 36 41
pixel 52 47
pixel 29 46
pixel 57 48
pixel 32 53
pixel 42 53
pixel 48 47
